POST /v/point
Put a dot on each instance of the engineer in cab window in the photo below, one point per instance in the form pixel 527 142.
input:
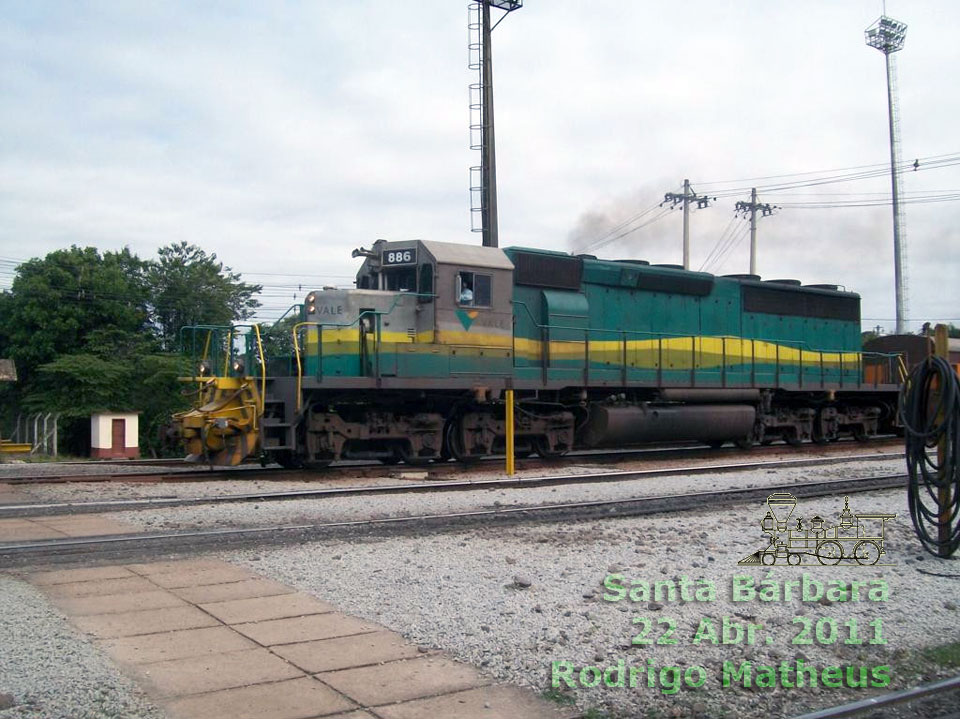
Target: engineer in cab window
pixel 466 292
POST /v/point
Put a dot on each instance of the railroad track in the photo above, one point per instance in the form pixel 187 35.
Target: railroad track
pixel 377 469
pixel 937 701
pixel 41 509
pixel 125 547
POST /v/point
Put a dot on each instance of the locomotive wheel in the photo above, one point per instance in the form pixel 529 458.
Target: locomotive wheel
pixel 768 558
pixel 391 459
pixel 524 451
pixel 819 437
pixel 860 435
pixel 866 552
pixel 288 459
pixel 542 448
pixel 454 443
pixel 830 553
pixel 792 439
pixel 404 452
pixel 793 559
pixel 744 443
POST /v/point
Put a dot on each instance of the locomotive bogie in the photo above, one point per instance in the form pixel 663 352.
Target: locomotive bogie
pixel 368 433
pixel 479 433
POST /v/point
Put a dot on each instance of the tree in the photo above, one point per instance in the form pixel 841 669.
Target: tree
pixel 86 331
pixel 278 345
pixel 57 304
pixel 928 328
pixel 158 394
pixel 77 385
pixel 188 287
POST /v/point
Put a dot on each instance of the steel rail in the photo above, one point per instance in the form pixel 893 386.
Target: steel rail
pixel 591 455
pixel 884 700
pixel 39 509
pixel 194 540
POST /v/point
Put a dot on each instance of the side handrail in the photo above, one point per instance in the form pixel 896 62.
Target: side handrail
pixel 808 356
pixel 263 369
pixel 320 326
pixel 798 344
pixel 231 331
pixel 902 368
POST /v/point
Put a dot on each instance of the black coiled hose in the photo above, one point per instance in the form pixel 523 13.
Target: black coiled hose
pixel 930 412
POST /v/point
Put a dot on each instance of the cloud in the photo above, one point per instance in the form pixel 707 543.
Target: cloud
pixel 282 136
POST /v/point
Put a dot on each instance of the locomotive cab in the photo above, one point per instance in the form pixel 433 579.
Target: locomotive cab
pixel 420 309
pixel 426 322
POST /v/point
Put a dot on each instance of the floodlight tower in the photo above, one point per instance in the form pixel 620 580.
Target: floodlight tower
pixel 887 35
pixel 483 179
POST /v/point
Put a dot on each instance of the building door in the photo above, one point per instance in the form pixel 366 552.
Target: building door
pixel 118 444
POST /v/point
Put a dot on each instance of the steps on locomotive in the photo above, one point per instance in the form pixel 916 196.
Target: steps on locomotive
pixel 277 423
pixel 277 434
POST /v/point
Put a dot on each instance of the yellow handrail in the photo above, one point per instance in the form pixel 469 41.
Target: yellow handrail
pixel 296 353
pixel 226 355
pixel 902 367
pixel 206 353
pixel 263 369
pixel 206 346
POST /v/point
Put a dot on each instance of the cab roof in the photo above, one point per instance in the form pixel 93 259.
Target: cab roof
pixel 452 253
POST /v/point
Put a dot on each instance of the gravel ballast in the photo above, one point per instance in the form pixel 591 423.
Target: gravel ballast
pixel 515 600
pixel 50 671
pixel 335 509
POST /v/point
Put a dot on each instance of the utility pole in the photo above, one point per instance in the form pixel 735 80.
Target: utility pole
pixel 765 211
pixel 887 35
pixel 483 179
pixel 686 198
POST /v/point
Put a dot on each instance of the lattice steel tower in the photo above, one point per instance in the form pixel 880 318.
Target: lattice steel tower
pixel 887 35
pixel 483 179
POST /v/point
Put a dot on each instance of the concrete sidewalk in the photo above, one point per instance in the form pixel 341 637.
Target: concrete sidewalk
pixel 60 527
pixel 210 640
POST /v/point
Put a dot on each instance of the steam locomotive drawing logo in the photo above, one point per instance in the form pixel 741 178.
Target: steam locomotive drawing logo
pixel 856 538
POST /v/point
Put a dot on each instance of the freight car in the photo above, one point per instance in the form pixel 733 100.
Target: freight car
pixel 412 364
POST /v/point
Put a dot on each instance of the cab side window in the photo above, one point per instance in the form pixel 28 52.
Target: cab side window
pixel 473 289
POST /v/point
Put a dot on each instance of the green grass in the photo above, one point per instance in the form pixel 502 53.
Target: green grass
pixel 595 714
pixel 558 697
pixel 946 655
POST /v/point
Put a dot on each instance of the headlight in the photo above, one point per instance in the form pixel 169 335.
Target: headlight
pixel 311 309
pixel 238 366
pixel 311 298
pixel 203 368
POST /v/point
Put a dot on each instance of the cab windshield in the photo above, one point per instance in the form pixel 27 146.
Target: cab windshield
pixel 400 279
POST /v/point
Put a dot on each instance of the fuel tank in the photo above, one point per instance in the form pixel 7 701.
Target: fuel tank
pixel 619 425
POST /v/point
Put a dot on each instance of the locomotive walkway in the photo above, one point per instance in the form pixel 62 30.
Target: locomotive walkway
pixel 208 639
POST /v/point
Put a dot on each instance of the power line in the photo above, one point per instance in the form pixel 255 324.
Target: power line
pixel 607 237
pixel 855 172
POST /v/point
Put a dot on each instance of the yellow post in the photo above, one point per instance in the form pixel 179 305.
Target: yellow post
pixel 941 348
pixel 510 448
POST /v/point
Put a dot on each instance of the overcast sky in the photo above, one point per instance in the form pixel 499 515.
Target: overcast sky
pixel 282 135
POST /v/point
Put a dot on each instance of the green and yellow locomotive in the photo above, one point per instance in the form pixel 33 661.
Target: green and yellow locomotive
pixel 413 363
